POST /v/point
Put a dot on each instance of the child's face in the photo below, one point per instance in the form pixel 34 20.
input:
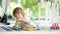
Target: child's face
pixel 19 15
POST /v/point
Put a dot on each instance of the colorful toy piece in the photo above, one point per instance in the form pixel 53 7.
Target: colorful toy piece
pixel 29 29
pixel 39 28
pixel 16 27
pixel 54 26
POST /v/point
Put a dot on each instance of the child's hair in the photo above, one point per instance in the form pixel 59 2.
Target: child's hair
pixel 18 10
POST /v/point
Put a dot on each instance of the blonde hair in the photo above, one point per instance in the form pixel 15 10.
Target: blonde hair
pixel 18 10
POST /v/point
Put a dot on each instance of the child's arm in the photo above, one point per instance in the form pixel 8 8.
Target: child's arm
pixel 25 21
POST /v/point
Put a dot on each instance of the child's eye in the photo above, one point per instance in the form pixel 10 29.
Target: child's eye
pixel 15 15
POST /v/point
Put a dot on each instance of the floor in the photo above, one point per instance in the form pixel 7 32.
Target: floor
pixel 8 30
pixel 32 32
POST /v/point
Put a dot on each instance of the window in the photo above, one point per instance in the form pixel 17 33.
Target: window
pixel 11 6
pixel 33 9
pixel 30 10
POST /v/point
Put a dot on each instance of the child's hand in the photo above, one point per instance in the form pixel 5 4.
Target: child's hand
pixel 14 27
pixel 24 20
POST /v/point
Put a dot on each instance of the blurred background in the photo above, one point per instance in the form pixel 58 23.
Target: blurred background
pixel 42 11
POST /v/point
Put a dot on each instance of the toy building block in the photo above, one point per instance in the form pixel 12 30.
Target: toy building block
pixel 16 27
pixel 54 26
pixel 29 29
